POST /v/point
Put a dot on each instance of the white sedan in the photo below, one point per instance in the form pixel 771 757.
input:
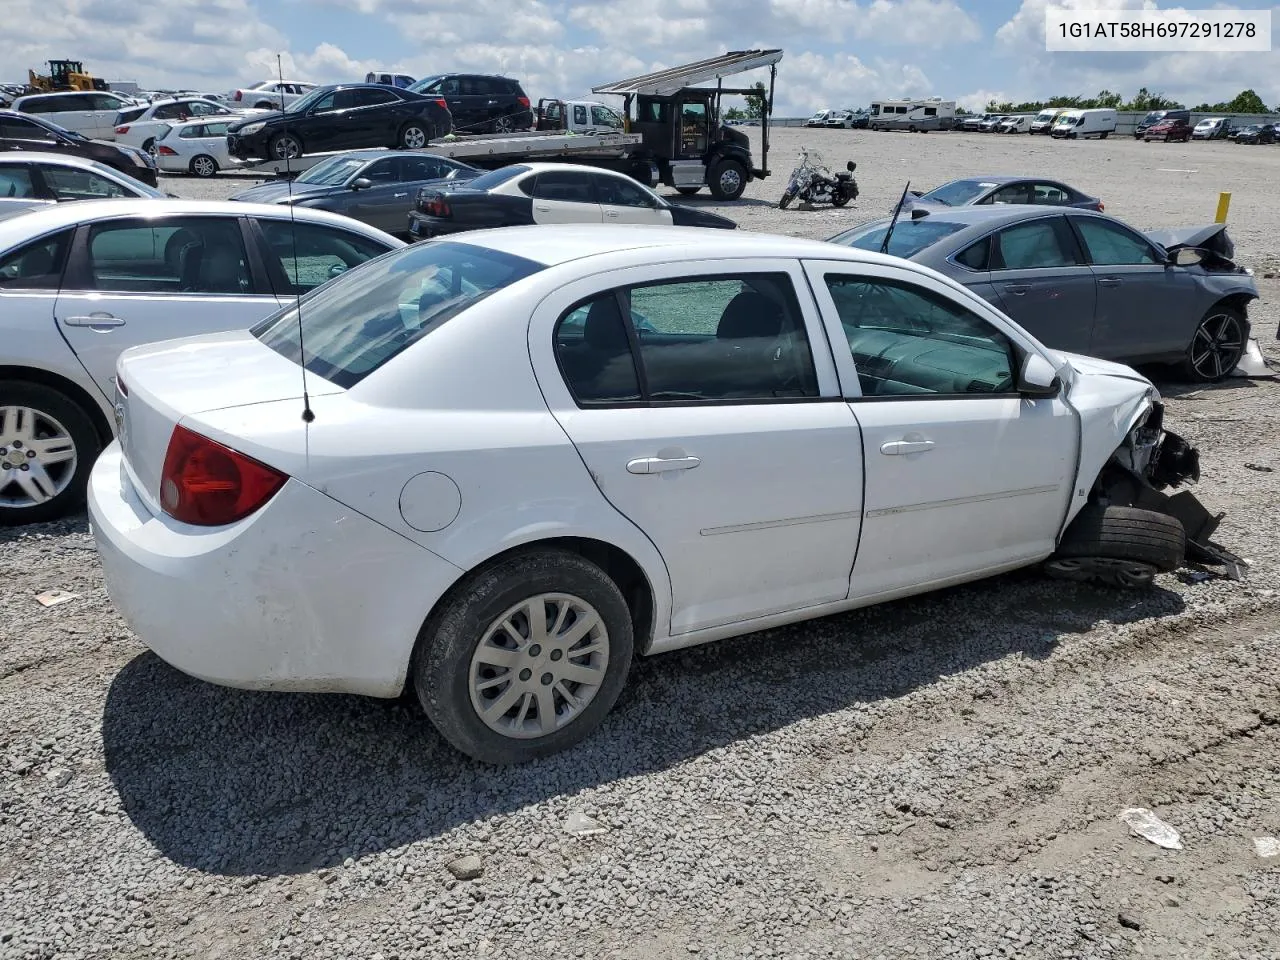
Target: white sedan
pixel 516 457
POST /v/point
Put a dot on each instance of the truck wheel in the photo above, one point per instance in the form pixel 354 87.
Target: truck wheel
pixel 1103 137
pixel 47 448
pixel 687 191
pixel 1121 546
pixel 728 180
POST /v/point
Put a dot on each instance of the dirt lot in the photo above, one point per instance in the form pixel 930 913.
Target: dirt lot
pixel 938 777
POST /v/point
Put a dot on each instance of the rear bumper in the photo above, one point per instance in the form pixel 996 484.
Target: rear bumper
pixel 304 595
pixel 423 227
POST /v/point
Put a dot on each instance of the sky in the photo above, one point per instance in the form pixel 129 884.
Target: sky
pixel 838 53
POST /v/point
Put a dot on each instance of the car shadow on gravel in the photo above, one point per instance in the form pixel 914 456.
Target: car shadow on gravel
pixel 239 783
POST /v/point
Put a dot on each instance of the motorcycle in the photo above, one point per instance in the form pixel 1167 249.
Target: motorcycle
pixel 812 182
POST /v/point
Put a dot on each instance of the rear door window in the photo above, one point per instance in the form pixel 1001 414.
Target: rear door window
pixel 198 255
pixel 16 182
pixel 1037 244
pixel 37 265
pixel 569 186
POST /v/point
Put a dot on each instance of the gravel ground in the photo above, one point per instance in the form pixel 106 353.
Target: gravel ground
pixel 937 777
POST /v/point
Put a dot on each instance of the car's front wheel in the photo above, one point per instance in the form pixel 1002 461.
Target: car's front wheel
pixel 285 146
pixel 1120 546
pixel 525 658
pixel 1217 345
pixel 47 447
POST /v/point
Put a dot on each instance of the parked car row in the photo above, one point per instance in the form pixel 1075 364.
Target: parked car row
pixel 840 119
pixel 23 133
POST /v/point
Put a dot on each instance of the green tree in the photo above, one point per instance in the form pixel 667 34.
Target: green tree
pixel 735 113
pixel 758 102
pixel 1246 101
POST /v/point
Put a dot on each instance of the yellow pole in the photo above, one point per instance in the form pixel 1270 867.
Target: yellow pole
pixel 1224 203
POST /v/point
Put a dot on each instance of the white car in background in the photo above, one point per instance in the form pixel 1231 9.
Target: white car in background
pixel 139 126
pixel 91 114
pixel 525 454
pixel 270 94
pixel 29 179
pixel 80 282
pixel 197 147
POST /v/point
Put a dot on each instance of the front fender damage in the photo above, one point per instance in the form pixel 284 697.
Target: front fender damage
pixel 1150 461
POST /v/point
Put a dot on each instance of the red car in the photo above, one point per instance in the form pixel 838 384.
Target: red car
pixel 1167 130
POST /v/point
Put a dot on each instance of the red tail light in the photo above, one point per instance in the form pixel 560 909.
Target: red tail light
pixel 437 206
pixel 124 129
pixel 1101 206
pixel 440 102
pixel 164 151
pixel 209 485
pixel 524 102
pixel 238 95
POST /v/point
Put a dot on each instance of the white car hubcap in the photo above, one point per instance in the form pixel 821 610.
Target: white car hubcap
pixel 37 457
pixel 539 665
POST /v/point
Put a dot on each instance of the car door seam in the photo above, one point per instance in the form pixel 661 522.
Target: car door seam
pixel 784 522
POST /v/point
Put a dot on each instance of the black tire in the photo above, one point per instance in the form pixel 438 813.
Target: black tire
pixel 1228 329
pixel 728 180
pixel 839 199
pixel 85 439
pixel 687 191
pixel 285 145
pixel 911 128
pixel 413 136
pixel 448 640
pixel 1124 546
pixel 502 124
pixel 203 165
pixel 1104 136
pixel 148 145
pixel 785 200
pixel 266 105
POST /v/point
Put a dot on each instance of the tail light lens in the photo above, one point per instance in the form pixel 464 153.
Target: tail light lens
pixel 437 206
pixel 209 485
pixel 164 151
pixel 524 102
pixel 124 129
pixel 1101 206
pixel 440 102
pixel 239 95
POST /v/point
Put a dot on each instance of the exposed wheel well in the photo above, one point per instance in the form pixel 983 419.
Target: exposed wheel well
pixel 73 391
pixel 617 563
pixel 1239 301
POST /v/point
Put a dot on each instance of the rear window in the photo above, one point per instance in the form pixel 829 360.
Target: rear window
pixel 958 192
pixel 909 236
pixel 128 116
pixel 487 181
pixel 354 324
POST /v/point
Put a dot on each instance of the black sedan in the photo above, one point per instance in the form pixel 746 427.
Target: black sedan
pixel 377 187
pixel 536 193
pixel 982 191
pixel 21 131
pixel 342 117
pixel 1256 133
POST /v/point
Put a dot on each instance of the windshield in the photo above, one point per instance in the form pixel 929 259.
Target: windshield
pixel 909 236
pixel 1043 117
pixel 487 181
pixel 422 84
pixel 355 323
pixel 957 193
pixel 1153 116
pixel 304 103
pixel 335 170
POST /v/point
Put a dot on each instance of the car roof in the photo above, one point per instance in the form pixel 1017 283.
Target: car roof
pixel 549 165
pixel 58 159
pixel 553 244
pixel 995 215
pixel 58 216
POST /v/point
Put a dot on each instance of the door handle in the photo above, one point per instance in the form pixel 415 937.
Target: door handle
pixel 611 213
pixel 899 448
pixel 1108 281
pixel 399 195
pixel 661 464
pixel 1017 289
pixel 94 320
pixel 544 209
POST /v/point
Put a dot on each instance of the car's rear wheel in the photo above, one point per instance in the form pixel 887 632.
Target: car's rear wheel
pixel 203 166
pixel 728 180
pixel 149 146
pixel 413 136
pixel 525 658
pixel 285 146
pixel 47 448
pixel 266 105
pixel 687 191
pixel 1217 345
pixel 1121 546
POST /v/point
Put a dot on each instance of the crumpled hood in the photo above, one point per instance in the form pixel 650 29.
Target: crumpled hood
pixel 1092 366
pixel 1212 237
pixel 279 191
pixel 261 117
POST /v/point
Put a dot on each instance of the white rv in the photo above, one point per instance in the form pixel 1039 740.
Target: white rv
pixel 917 116
pixel 1077 124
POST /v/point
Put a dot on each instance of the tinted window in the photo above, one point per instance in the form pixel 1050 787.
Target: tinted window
pixel 478 87
pixel 198 108
pixel 170 111
pixel 367 97
pixel 39 105
pixel 15 182
pixel 69 183
pixel 908 341
pixel 976 256
pixel 309 254
pixel 13 128
pixel 621 192
pixel 570 186
pixel 579 114
pixel 1051 193
pixel 594 353
pixel 128 116
pixel 423 168
pixel 909 236
pixel 182 255
pixel 100 101
pixel 1014 193
pixel 36 266
pixel 382 171
pixel 494 178
pixel 1029 245
pixel 365 318
pixel 958 192
pixel 1109 244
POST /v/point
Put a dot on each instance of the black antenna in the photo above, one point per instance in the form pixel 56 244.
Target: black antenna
pixel 884 244
pixel 307 414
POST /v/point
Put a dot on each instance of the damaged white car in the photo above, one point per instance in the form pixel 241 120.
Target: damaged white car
pixel 523 455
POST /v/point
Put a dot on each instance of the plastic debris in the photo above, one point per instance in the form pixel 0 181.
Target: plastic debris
pixel 1147 825
pixel 55 597
pixel 1266 846
pixel 1193 577
pixel 580 825
pixel 1252 362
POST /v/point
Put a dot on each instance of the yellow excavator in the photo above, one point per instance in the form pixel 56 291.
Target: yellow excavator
pixel 65 75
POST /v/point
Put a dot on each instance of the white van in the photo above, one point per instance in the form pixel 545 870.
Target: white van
pixel 1076 124
pixel 1045 119
pixel 91 113
pixel 1019 123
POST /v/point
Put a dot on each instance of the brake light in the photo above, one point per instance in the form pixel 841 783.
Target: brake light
pixel 239 96
pixel 437 206
pixel 524 102
pixel 209 485
pixel 440 102
pixel 124 129
pixel 1101 206
pixel 164 151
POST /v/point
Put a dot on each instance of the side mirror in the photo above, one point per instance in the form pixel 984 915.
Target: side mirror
pixel 361 183
pixel 851 166
pixel 1186 257
pixel 1038 377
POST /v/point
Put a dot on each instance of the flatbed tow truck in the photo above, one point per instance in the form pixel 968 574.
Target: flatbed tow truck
pixel 673 134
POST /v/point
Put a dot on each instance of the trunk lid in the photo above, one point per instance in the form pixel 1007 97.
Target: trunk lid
pixel 176 379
